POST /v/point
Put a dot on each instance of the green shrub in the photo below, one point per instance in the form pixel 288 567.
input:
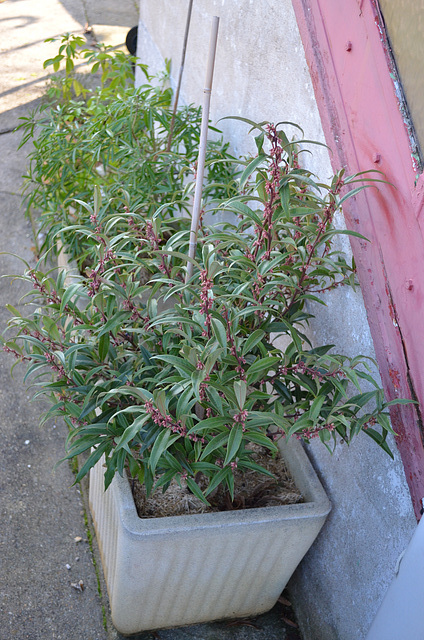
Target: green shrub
pixel 115 137
pixel 177 380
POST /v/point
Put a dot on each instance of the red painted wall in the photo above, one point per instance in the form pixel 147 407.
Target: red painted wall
pixel 346 52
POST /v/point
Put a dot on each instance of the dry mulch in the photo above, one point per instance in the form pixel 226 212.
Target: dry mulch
pixel 251 490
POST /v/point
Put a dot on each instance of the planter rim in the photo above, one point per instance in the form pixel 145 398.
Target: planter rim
pixel 316 502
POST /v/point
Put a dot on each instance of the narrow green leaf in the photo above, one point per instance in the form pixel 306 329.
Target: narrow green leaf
pixel 165 439
pixel 160 401
pixel 97 200
pixel 179 363
pixel 260 368
pixel 285 199
pixel 217 479
pixel 234 441
pixel 92 459
pixel 253 340
pixel 219 332
pixel 104 344
pixel 316 407
pixel 384 420
pixel 392 403
pixel 240 390
pixel 250 169
pixel 195 490
pixel 208 423
pixel 131 431
pixel 215 443
pixel 261 439
pixel 70 292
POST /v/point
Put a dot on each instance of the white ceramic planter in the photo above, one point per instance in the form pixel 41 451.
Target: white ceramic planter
pixel 175 571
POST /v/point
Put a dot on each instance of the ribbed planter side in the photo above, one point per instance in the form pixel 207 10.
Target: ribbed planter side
pixel 175 571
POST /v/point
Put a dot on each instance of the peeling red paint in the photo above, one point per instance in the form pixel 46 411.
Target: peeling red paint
pixel 409 285
pixel 392 311
pixel 362 119
pixel 395 378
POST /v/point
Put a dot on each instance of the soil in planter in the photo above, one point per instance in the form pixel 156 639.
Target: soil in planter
pixel 251 489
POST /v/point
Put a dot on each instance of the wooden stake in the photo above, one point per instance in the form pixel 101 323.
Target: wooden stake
pixel 180 75
pixel 202 147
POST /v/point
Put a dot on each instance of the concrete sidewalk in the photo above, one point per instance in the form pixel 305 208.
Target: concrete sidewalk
pixel 44 550
pixel 49 586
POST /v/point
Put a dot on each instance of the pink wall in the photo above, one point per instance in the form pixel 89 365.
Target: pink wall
pixel 346 52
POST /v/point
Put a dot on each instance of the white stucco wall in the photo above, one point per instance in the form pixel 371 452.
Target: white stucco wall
pixel 261 74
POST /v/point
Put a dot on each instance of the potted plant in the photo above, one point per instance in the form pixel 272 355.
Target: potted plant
pixel 114 136
pixel 174 382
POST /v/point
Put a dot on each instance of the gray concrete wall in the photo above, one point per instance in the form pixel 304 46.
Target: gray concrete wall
pixel 261 74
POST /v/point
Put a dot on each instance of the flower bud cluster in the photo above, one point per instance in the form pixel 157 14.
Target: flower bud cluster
pixel 309 434
pixel 240 418
pixel 167 422
pixel 316 374
pixel 206 300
